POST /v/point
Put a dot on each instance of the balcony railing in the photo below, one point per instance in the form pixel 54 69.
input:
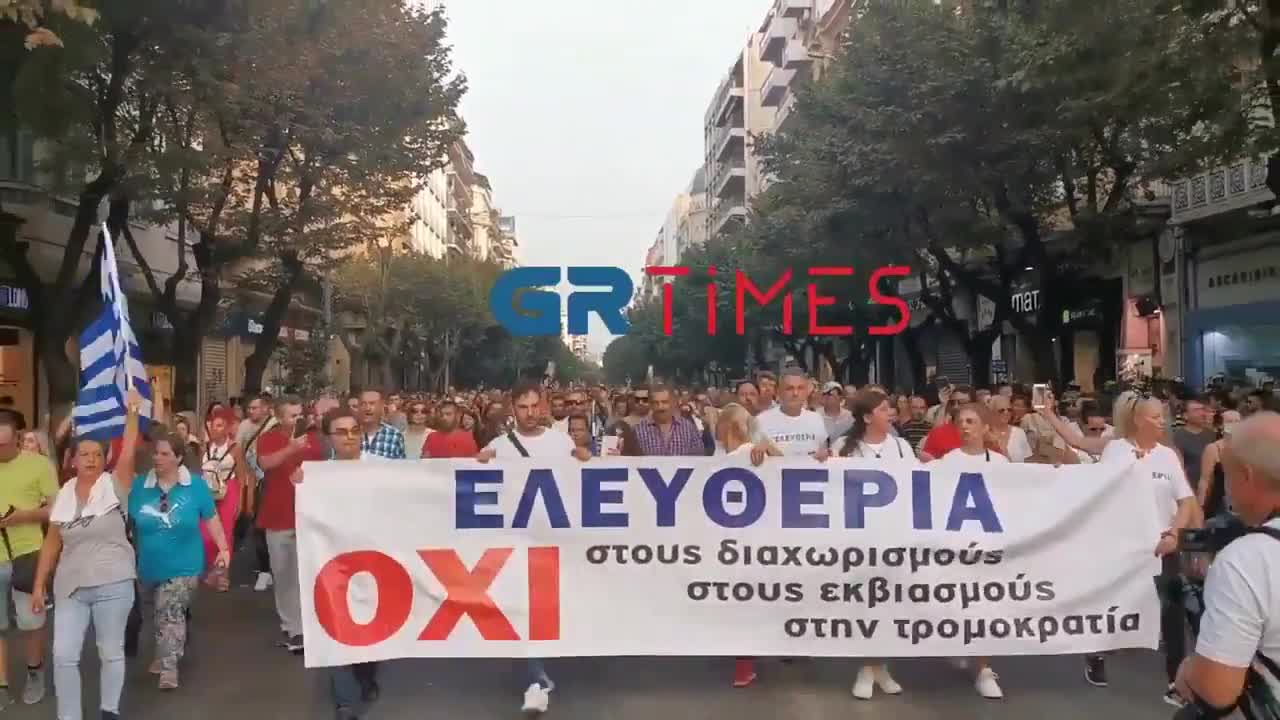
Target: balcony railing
pixel 726 215
pixel 798 9
pixel 775 86
pixel 776 35
pixel 731 181
pixel 727 140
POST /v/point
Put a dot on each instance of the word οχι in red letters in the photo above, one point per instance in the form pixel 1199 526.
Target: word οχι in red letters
pixel 466 595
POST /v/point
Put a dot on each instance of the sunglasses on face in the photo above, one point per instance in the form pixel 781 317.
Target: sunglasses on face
pixel 348 433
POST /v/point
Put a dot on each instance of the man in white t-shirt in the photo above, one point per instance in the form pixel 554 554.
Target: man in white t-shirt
pixel 530 439
pixel 1242 590
pixel 795 429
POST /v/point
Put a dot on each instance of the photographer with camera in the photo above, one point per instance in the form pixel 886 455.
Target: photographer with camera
pixel 1239 642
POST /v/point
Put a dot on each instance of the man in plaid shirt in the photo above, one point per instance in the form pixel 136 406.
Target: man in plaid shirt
pixel 379 438
pixel 664 433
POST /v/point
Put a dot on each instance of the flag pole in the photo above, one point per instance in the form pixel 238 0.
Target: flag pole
pixel 117 298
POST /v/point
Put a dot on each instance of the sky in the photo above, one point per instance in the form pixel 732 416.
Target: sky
pixel 586 115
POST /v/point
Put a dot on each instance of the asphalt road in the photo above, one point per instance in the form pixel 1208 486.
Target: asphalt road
pixel 234 672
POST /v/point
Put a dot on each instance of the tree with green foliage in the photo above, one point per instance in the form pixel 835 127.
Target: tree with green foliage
pixel 985 140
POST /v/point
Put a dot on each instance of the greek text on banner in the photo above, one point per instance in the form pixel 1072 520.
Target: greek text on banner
pixel 702 556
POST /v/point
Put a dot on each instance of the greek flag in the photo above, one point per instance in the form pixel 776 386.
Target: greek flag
pixel 110 361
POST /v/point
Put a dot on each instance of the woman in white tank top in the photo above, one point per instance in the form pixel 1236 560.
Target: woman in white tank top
pixel 223 467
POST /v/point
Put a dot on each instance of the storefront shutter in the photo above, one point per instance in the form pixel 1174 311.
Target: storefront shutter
pixel 213 371
pixel 953 363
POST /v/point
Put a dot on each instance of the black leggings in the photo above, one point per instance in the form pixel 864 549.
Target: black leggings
pixel 1173 617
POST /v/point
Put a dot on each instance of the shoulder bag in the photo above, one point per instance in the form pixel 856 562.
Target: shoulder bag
pixel 24 566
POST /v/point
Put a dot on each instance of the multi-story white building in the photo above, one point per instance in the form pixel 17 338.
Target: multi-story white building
pixel 504 251
pixel 692 228
pixel 429 231
pixel 735 114
pixel 484 219
pixel 799 38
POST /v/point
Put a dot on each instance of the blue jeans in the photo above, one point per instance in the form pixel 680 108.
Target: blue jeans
pixel 538 674
pixel 108 607
pixel 347 684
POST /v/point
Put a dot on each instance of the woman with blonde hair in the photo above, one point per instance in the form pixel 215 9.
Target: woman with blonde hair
pixel 735 434
pixel 974 423
pixel 1141 436
pixel 88 556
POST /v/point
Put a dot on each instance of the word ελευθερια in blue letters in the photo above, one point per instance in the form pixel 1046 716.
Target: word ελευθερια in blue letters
pixel 802 495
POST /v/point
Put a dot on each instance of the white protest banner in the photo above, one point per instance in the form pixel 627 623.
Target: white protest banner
pixel 702 556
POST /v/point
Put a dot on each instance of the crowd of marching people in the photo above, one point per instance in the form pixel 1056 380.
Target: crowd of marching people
pixel 125 534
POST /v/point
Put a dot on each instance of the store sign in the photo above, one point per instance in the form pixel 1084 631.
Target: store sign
pixel 252 327
pixel 14 298
pixel 986 313
pixel 1077 316
pixel 1026 302
pixel 1246 277
pixel 1239 279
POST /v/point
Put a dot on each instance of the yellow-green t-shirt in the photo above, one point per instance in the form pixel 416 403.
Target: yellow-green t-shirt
pixel 26 482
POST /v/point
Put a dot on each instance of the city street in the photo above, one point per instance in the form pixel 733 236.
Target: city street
pixel 234 671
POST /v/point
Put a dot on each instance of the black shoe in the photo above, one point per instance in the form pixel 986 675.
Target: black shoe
pixel 346 714
pixel 295 645
pixel 1095 670
pixel 1171 697
pixel 108 715
pixel 369 692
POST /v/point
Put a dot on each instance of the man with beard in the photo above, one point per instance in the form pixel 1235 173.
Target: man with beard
pixel 531 440
pixel 449 440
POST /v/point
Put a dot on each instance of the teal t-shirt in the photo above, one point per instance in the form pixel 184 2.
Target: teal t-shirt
pixel 167 528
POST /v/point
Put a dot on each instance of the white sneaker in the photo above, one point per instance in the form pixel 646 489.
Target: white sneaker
pixel 987 686
pixel 885 681
pixel 864 685
pixel 536 700
pixel 263 582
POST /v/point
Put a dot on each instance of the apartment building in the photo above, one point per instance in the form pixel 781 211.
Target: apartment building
pixel 799 39
pixel 736 113
pixel 504 251
pixel 462 176
pixel 429 231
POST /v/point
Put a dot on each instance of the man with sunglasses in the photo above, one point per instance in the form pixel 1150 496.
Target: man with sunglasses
pixel 281 451
pixel 638 408
pixel 352 687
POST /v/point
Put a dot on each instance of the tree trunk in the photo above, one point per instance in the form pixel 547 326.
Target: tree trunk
pixel 915 358
pixel 256 364
pixel 54 328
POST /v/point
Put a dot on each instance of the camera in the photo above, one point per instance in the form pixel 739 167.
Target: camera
pixel 1217 533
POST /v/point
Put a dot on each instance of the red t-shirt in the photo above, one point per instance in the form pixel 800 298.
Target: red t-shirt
pixel 276 506
pixel 942 439
pixel 451 444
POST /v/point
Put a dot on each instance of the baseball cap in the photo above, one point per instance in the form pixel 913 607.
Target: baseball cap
pixel 832 386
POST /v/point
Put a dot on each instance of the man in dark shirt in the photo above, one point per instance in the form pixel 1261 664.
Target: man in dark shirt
pixel 1194 436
